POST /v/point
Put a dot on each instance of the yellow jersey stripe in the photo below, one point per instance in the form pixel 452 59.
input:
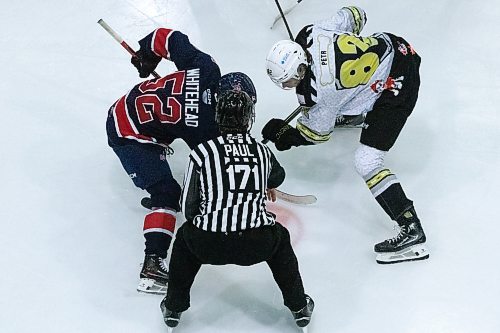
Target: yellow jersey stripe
pixel 314 136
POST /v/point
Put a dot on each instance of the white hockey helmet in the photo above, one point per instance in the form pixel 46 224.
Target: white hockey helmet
pixel 283 61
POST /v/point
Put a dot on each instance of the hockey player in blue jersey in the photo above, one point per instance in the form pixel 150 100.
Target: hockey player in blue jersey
pixel 143 123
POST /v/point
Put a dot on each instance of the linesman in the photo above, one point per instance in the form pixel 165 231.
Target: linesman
pixel 223 200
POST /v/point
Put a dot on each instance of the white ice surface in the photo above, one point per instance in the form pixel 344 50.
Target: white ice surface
pixel 71 225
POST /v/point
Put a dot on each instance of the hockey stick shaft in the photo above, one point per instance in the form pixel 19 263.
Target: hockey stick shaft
pixel 120 40
pixel 288 119
pixel 284 19
pixel 285 13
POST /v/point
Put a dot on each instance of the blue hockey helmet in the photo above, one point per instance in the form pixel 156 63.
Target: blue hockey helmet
pixel 237 81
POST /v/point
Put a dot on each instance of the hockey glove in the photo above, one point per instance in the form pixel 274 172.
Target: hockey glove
pixel 283 135
pixel 145 62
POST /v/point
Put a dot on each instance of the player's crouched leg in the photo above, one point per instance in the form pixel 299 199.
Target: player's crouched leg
pixel 285 269
pixel 409 244
pixel 159 226
pixel 183 267
pixel 165 193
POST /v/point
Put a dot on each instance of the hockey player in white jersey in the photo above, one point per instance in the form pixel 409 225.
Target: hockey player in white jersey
pixel 338 74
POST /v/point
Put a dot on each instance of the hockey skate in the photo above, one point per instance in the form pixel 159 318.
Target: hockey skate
pixel 171 318
pixel 303 316
pixel 407 245
pixel 343 121
pixel 154 275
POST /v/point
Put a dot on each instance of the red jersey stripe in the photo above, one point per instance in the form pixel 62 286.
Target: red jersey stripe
pixel 160 219
pixel 160 42
pixel 125 128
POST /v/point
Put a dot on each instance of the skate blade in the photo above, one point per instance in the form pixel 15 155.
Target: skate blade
pixel 412 253
pixel 150 286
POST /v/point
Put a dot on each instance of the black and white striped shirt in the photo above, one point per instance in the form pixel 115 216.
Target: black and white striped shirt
pixel 226 181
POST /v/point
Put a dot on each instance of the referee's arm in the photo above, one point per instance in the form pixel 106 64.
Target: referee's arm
pixel 277 174
pixel 190 199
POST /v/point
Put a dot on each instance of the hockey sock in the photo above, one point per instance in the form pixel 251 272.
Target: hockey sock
pixel 165 193
pixel 159 226
pixel 388 192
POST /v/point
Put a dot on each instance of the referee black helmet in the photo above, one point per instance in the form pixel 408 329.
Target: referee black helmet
pixel 235 112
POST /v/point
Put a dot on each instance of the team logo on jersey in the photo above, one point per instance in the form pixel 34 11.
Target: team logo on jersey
pixel 402 48
pixel 390 84
pixel 206 97
pixel 405 49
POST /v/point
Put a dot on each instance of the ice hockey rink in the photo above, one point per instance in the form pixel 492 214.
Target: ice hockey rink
pixel 71 237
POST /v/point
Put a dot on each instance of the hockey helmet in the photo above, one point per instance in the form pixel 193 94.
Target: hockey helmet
pixel 283 61
pixel 235 112
pixel 237 81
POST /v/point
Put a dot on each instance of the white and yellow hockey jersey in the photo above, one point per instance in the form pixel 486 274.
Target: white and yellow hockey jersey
pixel 344 71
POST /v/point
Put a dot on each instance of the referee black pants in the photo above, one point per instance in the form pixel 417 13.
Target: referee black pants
pixel 194 247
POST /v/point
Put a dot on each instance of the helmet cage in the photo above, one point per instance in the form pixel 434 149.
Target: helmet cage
pixel 235 112
pixel 237 81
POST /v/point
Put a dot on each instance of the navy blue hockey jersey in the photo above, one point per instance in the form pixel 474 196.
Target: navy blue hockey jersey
pixel 177 106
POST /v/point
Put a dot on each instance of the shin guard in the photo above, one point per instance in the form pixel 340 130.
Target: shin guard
pixel 159 227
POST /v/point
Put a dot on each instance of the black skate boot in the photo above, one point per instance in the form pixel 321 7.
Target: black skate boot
pixel 407 245
pixel 303 316
pixel 171 318
pixel 154 275
pixel 343 121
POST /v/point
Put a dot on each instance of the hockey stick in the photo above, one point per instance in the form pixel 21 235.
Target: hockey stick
pixel 121 42
pixel 296 199
pixel 308 199
pixel 295 112
pixel 285 12
pixel 283 17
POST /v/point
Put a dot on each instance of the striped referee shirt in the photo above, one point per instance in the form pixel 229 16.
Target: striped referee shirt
pixel 225 184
